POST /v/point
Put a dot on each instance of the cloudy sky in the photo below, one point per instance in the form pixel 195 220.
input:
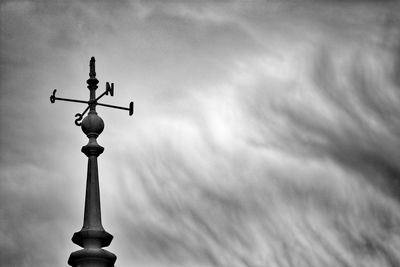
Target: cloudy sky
pixel 266 133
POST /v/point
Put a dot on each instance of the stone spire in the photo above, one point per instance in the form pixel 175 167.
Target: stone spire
pixel 92 237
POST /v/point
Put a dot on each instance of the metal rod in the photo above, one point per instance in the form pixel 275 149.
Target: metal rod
pixel 83 113
pixel 111 106
pixel 71 100
pixel 79 116
pixel 100 96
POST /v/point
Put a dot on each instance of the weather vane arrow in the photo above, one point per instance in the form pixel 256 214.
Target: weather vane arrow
pixel 93 101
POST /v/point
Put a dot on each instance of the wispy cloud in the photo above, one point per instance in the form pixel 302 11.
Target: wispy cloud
pixel 264 133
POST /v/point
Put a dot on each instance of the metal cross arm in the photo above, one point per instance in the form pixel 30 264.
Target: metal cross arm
pixel 53 98
pixel 93 101
pixel 109 90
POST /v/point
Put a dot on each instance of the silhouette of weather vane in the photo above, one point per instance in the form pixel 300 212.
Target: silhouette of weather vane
pixel 93 101
pixel 92 237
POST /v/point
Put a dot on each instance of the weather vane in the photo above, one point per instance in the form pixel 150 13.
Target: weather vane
pixel 92 237
pixel 93 101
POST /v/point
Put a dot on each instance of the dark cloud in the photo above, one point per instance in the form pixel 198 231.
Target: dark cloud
pixel 364 99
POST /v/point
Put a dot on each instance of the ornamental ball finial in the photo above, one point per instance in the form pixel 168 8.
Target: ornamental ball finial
pixel 92 125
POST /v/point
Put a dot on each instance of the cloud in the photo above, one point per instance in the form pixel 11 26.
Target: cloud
pixel 363 125
pixel 285 190
pixel 264 133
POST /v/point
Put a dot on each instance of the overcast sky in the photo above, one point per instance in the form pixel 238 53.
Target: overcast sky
pixel 265 133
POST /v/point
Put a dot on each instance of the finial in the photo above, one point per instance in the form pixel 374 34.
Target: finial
pixel 92 237
pixel 92 73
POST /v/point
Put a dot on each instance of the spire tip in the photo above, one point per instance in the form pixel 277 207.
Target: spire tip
pixel 92 72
